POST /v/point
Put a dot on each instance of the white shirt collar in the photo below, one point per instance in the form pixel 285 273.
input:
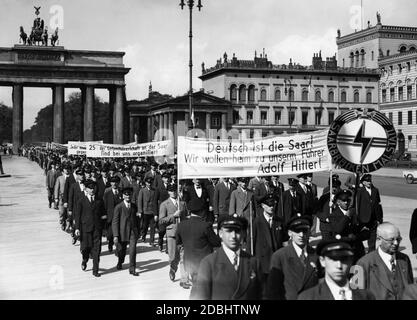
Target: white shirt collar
pixel 174 201
pixel 298 250
pixel 386 258
pixel 335 289
pixel 231 254
pixel 345 212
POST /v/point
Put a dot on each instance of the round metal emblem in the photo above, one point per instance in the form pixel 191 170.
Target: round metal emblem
pixel 361 140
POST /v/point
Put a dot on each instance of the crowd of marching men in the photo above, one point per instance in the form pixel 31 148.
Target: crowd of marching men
pixel 244 238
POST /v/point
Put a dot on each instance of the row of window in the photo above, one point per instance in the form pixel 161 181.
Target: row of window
pixel 278 119
pixel 401 96
pixel 400 117
pixel 241 92
pixel 400 68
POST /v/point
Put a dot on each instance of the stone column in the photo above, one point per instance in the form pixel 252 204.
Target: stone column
pixel 89 114
pixel 208 124
pixel 186 121
pixel 118 116
pixel 150 133
pixel 165 121
pixel 17 125
pixel 171 122
pixel 132 121
pixel 112 99
pixel 58 95
pixel 224 117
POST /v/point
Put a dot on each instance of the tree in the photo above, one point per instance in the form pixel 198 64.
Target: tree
pixel 6 115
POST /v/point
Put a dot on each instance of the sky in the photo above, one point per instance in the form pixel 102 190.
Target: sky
pixel 154 35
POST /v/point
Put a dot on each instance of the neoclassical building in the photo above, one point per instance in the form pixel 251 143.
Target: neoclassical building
pixel 274 99
pixel 391 49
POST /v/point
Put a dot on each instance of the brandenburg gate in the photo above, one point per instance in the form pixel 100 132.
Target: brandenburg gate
pixel 31 65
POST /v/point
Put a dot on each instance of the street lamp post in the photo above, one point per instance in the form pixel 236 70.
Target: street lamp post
pixel 190 4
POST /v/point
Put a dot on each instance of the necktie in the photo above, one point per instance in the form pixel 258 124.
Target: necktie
pixel 303 257
pixel 235 265
pixel 128 205
pixel 342 294
pixel 393 267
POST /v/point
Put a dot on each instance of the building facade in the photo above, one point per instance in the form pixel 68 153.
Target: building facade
pixel 391 49
pixel 270 99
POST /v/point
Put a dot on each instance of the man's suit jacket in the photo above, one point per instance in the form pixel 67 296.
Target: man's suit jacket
pixel 221 200
pixel 322 292
pixel 266 240
pixel 75 194
pixel 88 215
pixel 147 202
pixel 259 195
pixel 308 202
pixel 290 206
pixel 157 179
pixel 101 187
pixel 162 193
pixel 125 183
pixel 68 182
pixel 198 239
pixel 288 277
pixel 51 177
pixel 195 203
pixel 240 203
pixel 253 184
pixel 110 201
pixel 413 231
pixel 166 216
pixel 59 188
pixel 218 280
pixel 125 222
pixel 410 292
pixel 369 208
pixel 376 275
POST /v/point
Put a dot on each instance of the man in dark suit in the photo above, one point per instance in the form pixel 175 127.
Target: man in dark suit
pixel 148 210
pixel 126 230
pixel 111 198
pixel 336 257
pixel 229 273
pixel 156 177
pixel 267 235
pixel 75 193
pixel 386 271
pixel 162 195
pixel 89 220
pixel 413 232
pixel 296 267
pixel 307 197
pixel 277 192
pixel 102 182
pixel 127 180
pixel 197 199
pixel 326 205
pixel 241 203
pixel 198 238
pixel 291 202
pixel 51 177
pixel 368 203
pixel 221 199
pixel 171 212
pixel 262 192
pixel 210 185
pixel 343 221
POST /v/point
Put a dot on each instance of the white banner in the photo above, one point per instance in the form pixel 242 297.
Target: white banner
pixel 79 148
pixel 278 155
pixel 151 149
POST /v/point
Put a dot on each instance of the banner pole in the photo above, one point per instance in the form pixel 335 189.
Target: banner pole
pixel 251 227
pixel 331 188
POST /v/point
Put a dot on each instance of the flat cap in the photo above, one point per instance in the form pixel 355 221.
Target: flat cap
pixel 292 181
pixel 343 195
pixel 127 190
pixel 299 222
pixel 232 222
pixel 90 184
pixel 335 247
pixel 115 179
pixel 269 201
pixel 366 177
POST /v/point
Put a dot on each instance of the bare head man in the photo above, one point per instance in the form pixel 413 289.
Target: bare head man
pixel 390 237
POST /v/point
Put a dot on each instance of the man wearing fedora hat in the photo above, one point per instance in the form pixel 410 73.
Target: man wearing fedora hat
pixel 267 235
pixel 336 257
pixel 369 208
pixel 147 204
pixel 294 268
pixel 229 273
pixel 89 220
pixel 125 227
pixel 291 202
pixel 111 198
